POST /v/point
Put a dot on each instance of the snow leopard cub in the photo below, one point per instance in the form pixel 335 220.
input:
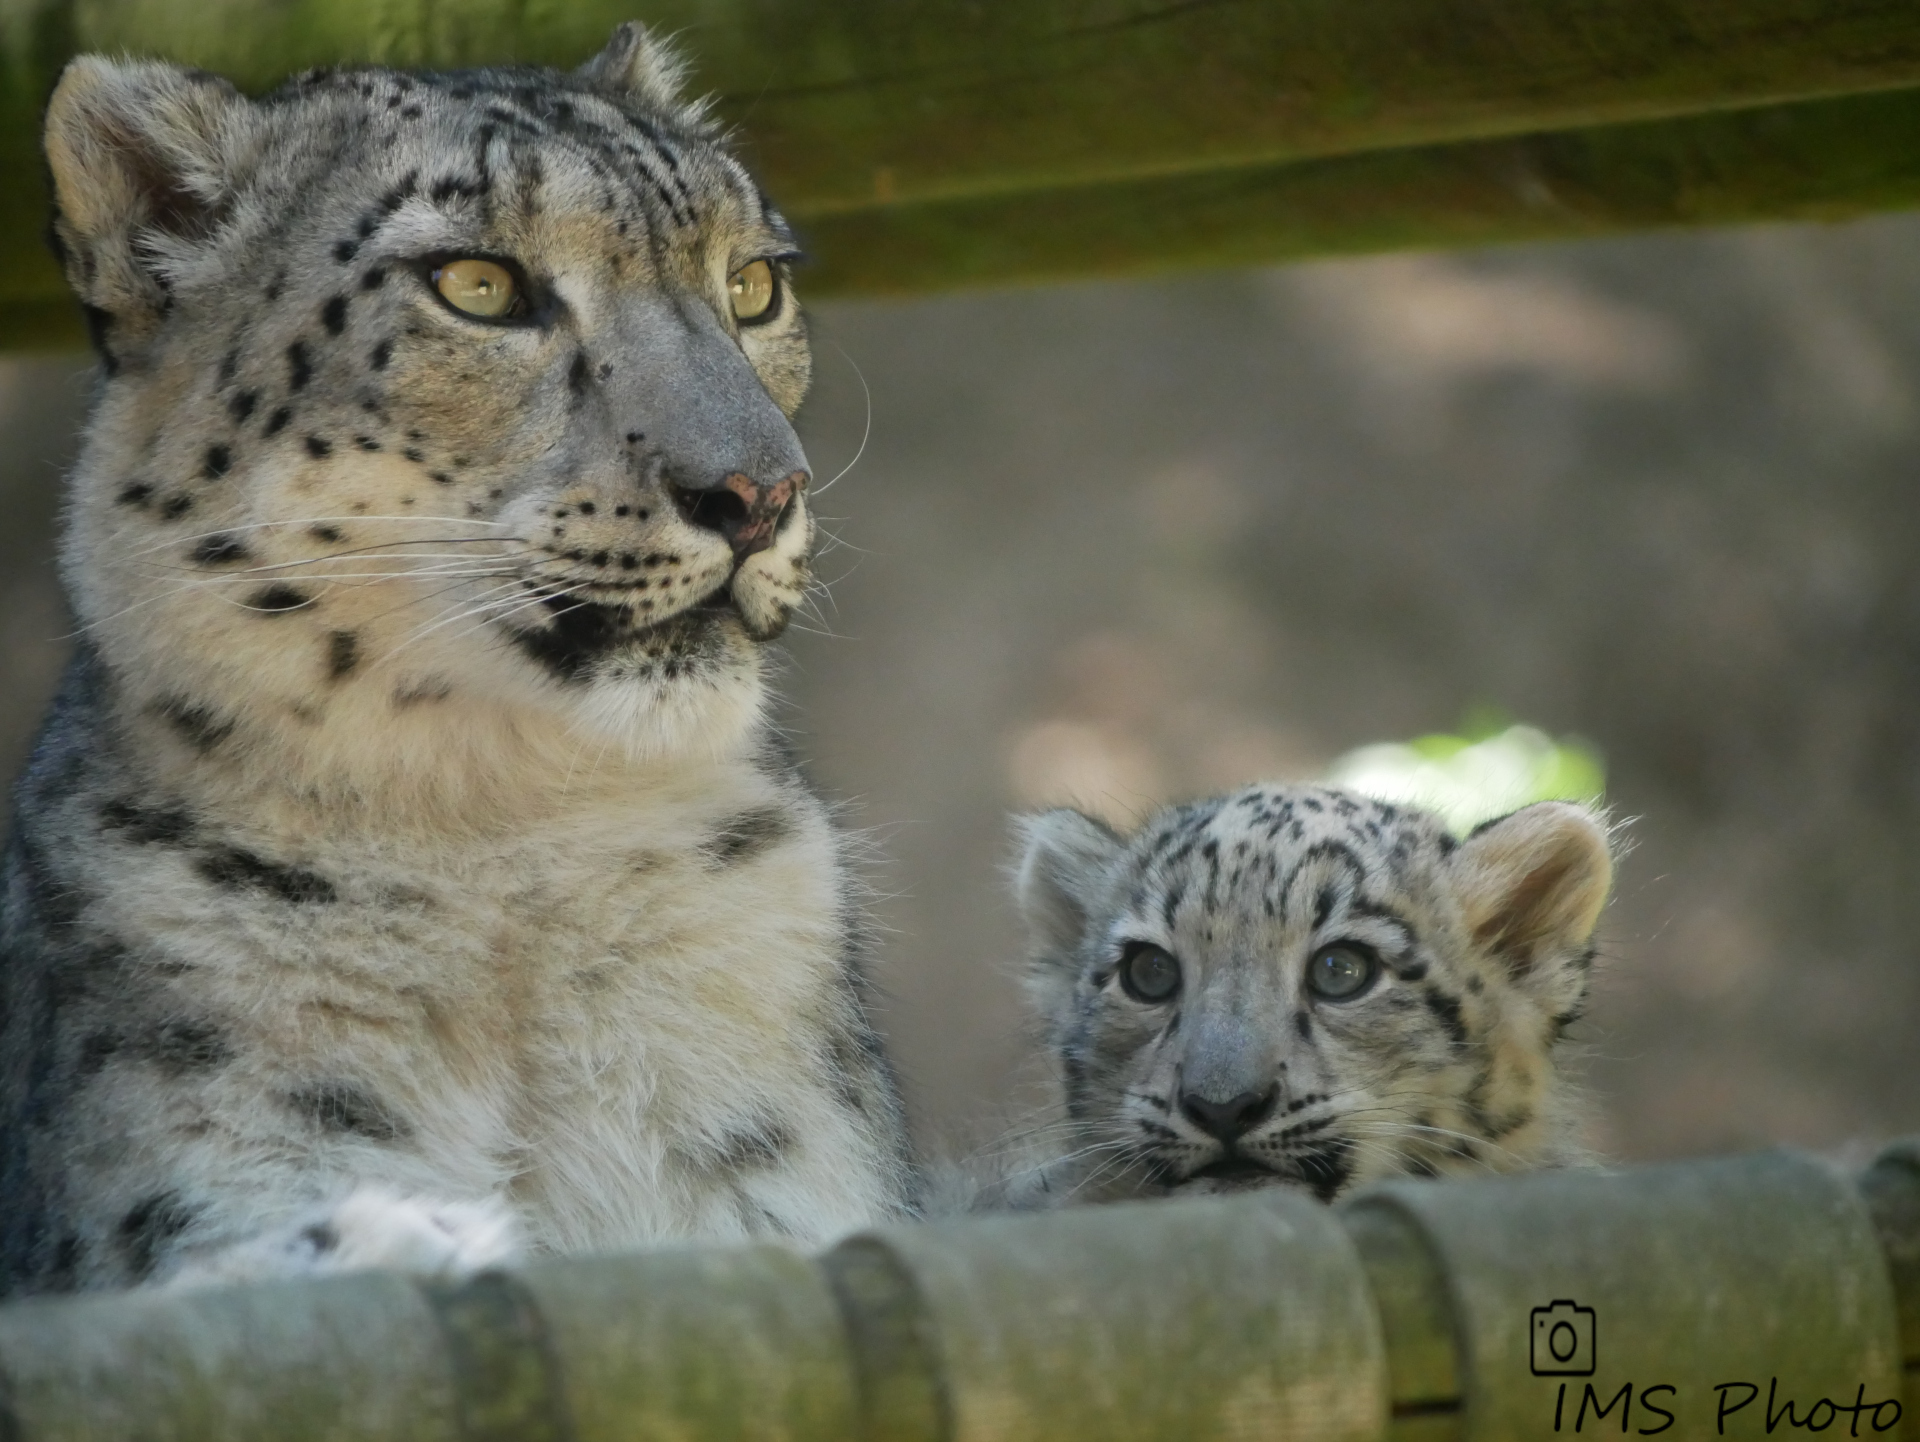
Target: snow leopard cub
pixel 1299 986
pixel 407 873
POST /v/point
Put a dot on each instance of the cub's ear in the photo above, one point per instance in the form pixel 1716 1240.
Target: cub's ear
pixel 1532 885
pixel 142 156
pixel 1063 858
pixel 636 63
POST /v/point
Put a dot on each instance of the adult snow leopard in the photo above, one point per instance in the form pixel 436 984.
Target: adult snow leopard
pixel 407 874
pixel 1298 985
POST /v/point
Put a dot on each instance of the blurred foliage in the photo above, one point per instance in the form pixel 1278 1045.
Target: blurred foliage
pixel 1492 767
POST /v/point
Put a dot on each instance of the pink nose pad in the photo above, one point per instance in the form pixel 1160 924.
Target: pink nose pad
pixel 739 509
pixel 765 506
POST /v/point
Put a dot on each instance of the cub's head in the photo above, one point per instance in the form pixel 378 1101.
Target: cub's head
pixel 1295 985
pixel 466 391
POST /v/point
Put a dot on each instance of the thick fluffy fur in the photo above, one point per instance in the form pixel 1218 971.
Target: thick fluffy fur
pixel 1478 954
pixel 406 873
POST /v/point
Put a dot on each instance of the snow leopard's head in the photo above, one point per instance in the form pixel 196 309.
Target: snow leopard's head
pixel 1298 985
pixel 432 391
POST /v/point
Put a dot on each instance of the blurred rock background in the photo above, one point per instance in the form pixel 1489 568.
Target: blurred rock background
pixel 1125 543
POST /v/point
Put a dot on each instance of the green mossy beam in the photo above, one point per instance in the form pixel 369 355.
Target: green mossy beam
pixel 1298 126
pixel 1717 1294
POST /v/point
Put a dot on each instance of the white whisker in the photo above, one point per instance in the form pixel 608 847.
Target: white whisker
pixel 867 431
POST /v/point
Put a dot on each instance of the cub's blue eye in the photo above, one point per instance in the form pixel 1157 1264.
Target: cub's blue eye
pixel 1343 972
pixel 1148 974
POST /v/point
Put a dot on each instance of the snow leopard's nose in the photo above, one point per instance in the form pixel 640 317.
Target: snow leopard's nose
pixel 1233 1118
pixel 745 513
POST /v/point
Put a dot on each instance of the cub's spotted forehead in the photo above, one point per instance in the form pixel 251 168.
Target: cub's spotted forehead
pixel 1249 848
pixel 1288 818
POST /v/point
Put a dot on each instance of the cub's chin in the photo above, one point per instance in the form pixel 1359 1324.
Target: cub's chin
pixel 1324 1174
pixel 1230 1175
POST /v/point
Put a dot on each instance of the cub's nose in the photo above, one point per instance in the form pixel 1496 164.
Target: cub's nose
pixel 1231 1119
pixel 742 511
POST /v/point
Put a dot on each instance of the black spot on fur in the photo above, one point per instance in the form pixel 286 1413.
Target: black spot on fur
pixel 346 250
pixel 321 1237
pixel 366 443
pixel 277 422
pixel 99 324
pixel 319 447
pixel 136 495
pixel 218 462
pixel 148 1227
pixel 579 633
pixel 180 1047
pixel 199 726
pixel 380 355
pixel 335 1106
pixel 68 1254
pixel 743 837
pixel 165 825
pixel 1328 1169
pixel 299 366
pixel 238 870
pixel 1303 1023
pixel 333 315
pixel 343 654
pixel 1447 1010
pixel 220 549
pixel 329 534
pixel 241 406
pixel 176 507
pixel 577 375
pixel 373 279
pixel 757 1146
pixel 278 599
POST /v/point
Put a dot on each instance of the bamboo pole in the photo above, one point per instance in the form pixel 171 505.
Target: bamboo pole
pixel 943 142
pixel 1722 1294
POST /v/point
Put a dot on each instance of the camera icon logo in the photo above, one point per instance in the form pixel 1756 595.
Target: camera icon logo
pixel 1563 1342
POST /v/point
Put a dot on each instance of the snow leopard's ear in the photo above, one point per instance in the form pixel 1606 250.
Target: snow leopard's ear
pixel 1064 857
pixel 639 64
pixel 1532 886
pixel 142 157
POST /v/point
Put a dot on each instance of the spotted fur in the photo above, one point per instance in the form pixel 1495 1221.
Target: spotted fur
pixel 407 871
pixel 1477 955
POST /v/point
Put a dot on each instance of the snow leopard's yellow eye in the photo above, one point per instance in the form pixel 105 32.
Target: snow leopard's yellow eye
pixel 752 289
pixel 478 287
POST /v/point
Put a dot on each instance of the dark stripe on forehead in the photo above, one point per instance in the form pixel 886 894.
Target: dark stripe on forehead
pixel 667 155
pixel 1382 915
pixel 1336 854
pixel 608 135
pixel 1401 953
